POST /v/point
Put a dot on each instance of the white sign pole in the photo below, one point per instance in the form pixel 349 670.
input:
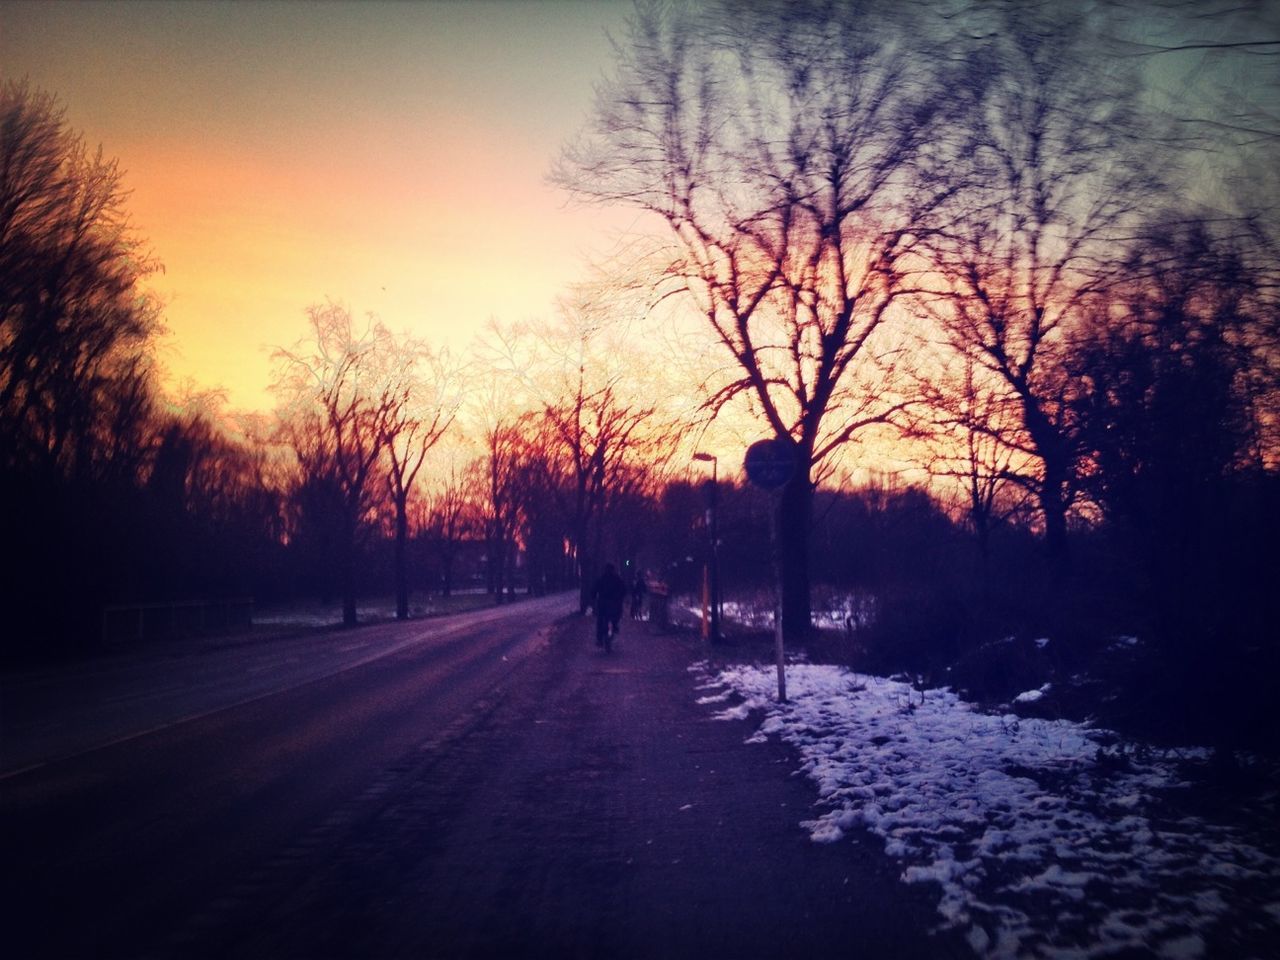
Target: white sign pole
pixel 770 464
pixel 779 656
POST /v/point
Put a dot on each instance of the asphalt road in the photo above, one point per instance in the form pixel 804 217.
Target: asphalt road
pixel 488 786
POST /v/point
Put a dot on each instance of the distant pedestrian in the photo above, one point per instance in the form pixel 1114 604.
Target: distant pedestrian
pixel 607 596
pixel 638 590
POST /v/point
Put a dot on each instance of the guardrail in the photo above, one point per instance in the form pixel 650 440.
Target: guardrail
pixel 135 622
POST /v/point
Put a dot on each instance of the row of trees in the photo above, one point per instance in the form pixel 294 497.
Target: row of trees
pixel 967 224
pixel 119 491
pixel 360 411
pixel 948 226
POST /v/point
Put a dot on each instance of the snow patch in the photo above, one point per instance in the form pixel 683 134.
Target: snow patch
pixel 1031 696
pixel 1037 851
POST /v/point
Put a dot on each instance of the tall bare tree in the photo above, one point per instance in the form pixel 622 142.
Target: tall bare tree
pixel 419 407
pixel 502 505
pixel 966 435
pixel 1064 169
pixel 453 515
pixel 579 372
pixel 791 153
pixel 334 416
pixel 75 324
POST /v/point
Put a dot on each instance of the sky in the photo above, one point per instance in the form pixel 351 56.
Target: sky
pixel 391 156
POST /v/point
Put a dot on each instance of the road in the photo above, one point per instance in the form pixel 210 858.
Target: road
pixel 196 782
pixel 486 785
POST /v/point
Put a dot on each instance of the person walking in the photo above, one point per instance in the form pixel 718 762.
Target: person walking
pixel 638 590
pixel 607 596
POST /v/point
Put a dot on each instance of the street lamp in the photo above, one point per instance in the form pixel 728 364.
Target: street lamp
pixel 714 533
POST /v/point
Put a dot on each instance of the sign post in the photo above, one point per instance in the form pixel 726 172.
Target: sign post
pixel 770 465
pixel 713 534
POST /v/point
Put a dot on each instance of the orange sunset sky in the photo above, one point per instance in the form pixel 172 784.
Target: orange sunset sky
pixel 388 155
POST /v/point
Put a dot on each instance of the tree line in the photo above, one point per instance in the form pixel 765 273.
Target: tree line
pixel 967 225
pixel 970 230
pixel 120 490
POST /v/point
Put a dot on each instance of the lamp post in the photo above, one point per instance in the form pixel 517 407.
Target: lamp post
pixel 714 533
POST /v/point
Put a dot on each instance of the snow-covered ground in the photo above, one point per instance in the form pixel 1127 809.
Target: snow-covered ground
pixel 1042 847
pixel 845 611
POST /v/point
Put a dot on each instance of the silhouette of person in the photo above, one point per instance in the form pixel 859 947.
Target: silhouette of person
pixel 606 597
pixel 638 590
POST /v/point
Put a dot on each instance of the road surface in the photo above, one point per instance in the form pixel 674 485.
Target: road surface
pixel 486 785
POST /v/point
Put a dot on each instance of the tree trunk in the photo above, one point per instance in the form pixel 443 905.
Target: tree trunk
pixel 1050 445
pixel 585 571
pixel 1053 506
pixel 982 526
pixel 499 567
pixel 1055 531
pixel 349 578
pixel 491 547
pixel 402 565
pixel 792 529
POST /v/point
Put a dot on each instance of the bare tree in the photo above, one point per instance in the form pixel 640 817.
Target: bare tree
pixel 334 416
pixel 502 505
pixel 75 325
pixel 966 436
pixel 419 408
pixel 578 370
pixel 1065 170
pixel 541 486
pixel 792 154
pixel 452 517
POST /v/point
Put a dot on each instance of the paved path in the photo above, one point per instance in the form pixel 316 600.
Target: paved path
pixel 58 711
pixel 589 808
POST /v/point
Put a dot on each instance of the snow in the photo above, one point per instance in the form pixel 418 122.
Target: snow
pixel 1031 696
pixel 847 613
pixel 1037 850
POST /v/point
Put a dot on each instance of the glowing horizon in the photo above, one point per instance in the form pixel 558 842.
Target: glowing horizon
pixel 388 156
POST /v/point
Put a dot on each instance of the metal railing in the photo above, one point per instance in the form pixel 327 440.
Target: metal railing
pixel 136 622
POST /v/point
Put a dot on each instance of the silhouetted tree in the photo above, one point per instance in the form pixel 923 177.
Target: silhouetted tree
pixel 418 409
pixel 1062 168
pixel 453 517
pixel 334 417
pixel 540 486
pixel 75 325
pixel 1170 407
pixel 215 511
pixel 792 153
pixel 581 375
pixel 966 430
pixel 77 392
pixel 502 507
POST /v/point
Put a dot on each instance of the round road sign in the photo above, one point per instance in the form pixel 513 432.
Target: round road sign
pixel 771 463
